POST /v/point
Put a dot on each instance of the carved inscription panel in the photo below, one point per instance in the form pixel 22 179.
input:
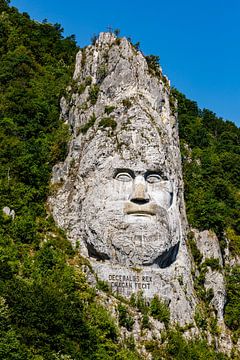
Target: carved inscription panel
pixel 126 281
pixel 129 283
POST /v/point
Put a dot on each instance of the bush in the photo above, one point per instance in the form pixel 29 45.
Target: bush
pixel 93 94
pixel 159 310
pixel 197 256
pixel 109 109
pixel 124 318
pixel 153 64
pixel 232 308
pixel 127 103
pixel 103 286
pixel 108 122
pixel 179 348
pixel 213 263
pixel 145 322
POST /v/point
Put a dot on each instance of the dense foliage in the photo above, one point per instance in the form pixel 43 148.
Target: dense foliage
pixel 176 347
pixel 47 309
pixel 210 150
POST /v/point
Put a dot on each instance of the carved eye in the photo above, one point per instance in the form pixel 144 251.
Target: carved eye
pixel 124 176
pixel 153 178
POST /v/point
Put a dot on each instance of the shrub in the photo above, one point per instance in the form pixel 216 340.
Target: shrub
pixel 118 41
pixel 108 122
pixel 159 310
pixel 145 322
pixel 88 80
pixel 153 64
pixel 124 318
pixel 81 88
pixel 179 348
pixel 127 103
pixel 200 318
pixel 197 256
pixel 232 308
pixel 94 39
pixel 213 263
pixel 93 94
pixel 102 72
pixel 108 109
pixel 103 285
pixel 140 302
pixel 117 32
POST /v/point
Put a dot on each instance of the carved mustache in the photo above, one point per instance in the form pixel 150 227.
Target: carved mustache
pixel 143 209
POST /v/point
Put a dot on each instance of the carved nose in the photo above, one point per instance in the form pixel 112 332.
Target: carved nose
pixel 139 195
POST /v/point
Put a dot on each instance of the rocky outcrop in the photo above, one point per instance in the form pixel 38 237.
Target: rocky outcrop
pixel 208 245
pixel 8 212
pixel 119 193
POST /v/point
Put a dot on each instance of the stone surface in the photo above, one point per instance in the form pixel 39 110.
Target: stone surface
pixel 7 211
pixel 208 245
pixel 119 192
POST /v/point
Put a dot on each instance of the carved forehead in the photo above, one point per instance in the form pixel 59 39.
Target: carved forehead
pixel 130 149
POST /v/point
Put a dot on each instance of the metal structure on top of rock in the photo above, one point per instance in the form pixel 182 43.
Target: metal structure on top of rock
pixel 120 192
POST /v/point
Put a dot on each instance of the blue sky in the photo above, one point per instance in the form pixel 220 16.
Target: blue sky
pixel 198 41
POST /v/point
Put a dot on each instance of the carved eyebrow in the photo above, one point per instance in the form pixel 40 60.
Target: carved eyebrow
pixel 124 170
pixel 155 172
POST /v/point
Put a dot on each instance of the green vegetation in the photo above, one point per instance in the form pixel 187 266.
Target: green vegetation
pixel 232 309
pixel 81 88
pixel 211 166
pixel 153 65
pixel 200 318
pixel 108 122
pixel 127 103
pixel 124 317
pixel 47 309
pixel 109 109
pixel 93 93
pixel 103 286
pixel 138 301
pixel 102 72
pixel 213 263
pixel 36 65
pixel 197 256
pixel 178 348
pixel 210 150
pixel 159 310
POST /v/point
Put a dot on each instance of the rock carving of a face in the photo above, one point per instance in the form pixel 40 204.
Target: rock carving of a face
pixel 130 210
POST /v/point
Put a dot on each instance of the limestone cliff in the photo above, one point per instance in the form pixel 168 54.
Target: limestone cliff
pixel 119 193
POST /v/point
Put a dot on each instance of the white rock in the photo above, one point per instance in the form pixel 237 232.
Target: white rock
pixel 121 193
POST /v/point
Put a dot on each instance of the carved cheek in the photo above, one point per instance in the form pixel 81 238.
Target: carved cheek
pixel 113 190
pixel 122 190
pixel 162 196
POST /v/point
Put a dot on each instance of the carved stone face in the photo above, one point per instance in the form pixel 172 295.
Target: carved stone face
pixel 129 205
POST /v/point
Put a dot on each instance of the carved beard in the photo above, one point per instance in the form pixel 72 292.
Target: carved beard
pixel 142 243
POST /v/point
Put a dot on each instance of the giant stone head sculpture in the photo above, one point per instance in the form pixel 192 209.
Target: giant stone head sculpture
pixel 119 192
pixel 121 196
pixel 129 204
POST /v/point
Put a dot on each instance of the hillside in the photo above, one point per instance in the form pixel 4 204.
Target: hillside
pixel 47 308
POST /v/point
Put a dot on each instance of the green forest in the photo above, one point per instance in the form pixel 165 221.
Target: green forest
pixel 47 308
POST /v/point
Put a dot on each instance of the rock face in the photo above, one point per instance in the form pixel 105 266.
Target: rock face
pixel 8 212
pixel 208 245
pixel 119 193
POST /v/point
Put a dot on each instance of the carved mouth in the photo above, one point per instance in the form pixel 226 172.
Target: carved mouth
pixel 140 210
